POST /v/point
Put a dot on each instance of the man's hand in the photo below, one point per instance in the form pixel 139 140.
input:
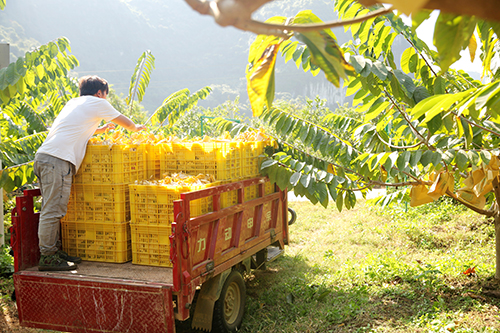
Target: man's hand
pixel 140 127
pixel 105 128
pixel 108 127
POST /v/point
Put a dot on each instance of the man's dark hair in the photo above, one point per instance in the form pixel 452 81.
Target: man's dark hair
pixel 91 84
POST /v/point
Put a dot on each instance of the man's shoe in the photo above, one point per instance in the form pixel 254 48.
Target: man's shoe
pixel 55 263
pixel 67 257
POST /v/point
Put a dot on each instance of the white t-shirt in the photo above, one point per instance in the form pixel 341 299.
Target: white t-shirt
pixel 74 126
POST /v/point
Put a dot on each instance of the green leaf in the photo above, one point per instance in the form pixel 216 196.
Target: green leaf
pixel 420 94
pixel 439 86
pixel 426 158
pixel 294 178
pixel 20 67
pixel 332 189
pixel 462 160
pixel 473 157
pixel 418 17
pixel 11 74
pixel 403 160
pixel 322 192
pixel 326 55
pixel 282 178
pixel 451 35
pixel 415 157
pixel 358 63
pixel 406 82
pixel 141 77
pixel 305 180
pixel 485 156
pixel 436 104
pixel 340 201
pixel 486 93
pixel 380 70
pixel 405 59
pixel 375 112
pixel 267 163
pixel 391 160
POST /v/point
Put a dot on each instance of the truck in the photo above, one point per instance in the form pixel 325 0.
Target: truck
pixel 205 285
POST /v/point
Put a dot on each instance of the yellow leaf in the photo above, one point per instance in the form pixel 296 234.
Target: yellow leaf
pixel 331 169
pixel 439 186
pixel 471 198
pixel 494 163
pixel 260 80
pixel 419 196
pixel 472 47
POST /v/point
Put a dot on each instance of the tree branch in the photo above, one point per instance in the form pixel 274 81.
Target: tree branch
pixel 426 142
pixel 488 213
pixel 399 147
pixel 486 9
pixel 477 125
pixel 237 13
pixel 326 25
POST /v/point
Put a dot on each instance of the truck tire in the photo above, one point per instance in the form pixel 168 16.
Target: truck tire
pixel 229 308
pixel 294 216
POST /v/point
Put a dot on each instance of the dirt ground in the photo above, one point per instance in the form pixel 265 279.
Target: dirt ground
pixel 9 320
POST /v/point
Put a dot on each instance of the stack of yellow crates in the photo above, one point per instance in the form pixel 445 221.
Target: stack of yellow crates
pixel 152 214
pixel 121 207
pixel 96 226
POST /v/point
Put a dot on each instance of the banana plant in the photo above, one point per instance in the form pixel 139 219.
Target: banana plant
pixel 175 105
pixel 140 78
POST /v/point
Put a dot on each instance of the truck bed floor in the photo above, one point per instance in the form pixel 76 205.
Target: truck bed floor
pixel 127 271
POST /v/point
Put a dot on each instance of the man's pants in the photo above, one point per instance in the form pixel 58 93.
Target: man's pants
pixel 54 178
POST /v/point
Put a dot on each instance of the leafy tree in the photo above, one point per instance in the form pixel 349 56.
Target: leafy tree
pixel 35 88
pixel 201 121
pixel 427 130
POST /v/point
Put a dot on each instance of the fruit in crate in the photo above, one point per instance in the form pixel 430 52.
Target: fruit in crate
pixel 121 138
pixel 180 179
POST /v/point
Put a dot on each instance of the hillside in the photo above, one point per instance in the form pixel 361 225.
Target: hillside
pixel 191 51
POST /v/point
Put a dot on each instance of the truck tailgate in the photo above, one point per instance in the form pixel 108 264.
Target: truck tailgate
pixel 98 297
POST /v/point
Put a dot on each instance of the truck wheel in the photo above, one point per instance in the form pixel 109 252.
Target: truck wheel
pixel 293 218
pixel 229 308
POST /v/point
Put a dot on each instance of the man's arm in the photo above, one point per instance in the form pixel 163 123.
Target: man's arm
pixel 126 123
pixel 108 126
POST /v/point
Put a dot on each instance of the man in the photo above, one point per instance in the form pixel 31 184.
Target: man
pixel 59 158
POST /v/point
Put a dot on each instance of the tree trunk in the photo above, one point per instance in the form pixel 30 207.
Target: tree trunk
pixel 497 247
pixel 496 205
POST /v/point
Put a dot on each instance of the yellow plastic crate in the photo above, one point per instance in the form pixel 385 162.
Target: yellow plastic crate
pixel 220 159
pixel 98 203
pixel 269 188
pixel 97 241
pixel 229 198
pixel 154 204
pixel 151 245
pixel 168 162
pixel 250 165
pixel 252 192
pixel 152 157
pixel 112 164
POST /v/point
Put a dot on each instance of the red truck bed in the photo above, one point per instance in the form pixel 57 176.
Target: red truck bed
pixel 107 297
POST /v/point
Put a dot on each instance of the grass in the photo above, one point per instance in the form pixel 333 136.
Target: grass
pixel 372 270
pixel 367 270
